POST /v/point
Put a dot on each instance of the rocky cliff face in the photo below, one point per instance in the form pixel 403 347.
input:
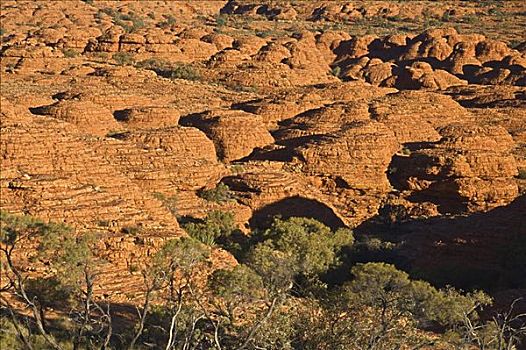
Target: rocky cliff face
pixel 118 115
pixel 470 166
pixel 51 170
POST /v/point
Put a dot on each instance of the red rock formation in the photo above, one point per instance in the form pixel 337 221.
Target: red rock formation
pixel 358 154
pixel 235 133
pixel 470 168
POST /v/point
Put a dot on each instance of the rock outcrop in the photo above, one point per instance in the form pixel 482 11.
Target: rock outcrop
pixel 469 169
pixel 235 133
pixel 358 155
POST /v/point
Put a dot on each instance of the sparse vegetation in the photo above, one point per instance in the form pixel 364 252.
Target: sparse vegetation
pixel 168 22
pixel 336 71
pixel 129 22
pixel 221 20
pixel 123 58
pixel 169 202
pixel 131 230
pixel 371 162
pixel 215 228
pixel 170 70
pixel 221 193
pixel 70 53
pixel 274 298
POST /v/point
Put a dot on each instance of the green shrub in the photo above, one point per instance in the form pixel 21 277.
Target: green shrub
pixel 168 22
pixel 336 71
pixel 221 193
pixel 216 227
pixel 131 230
pixel 405 151
pixel 170 70
pixel 169 202
pixel 222 20
pixel 311 245
pixel 70 53
pixel 123 58
pixel 522 174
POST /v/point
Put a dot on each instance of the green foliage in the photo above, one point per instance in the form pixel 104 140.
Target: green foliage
pixel 131 230
pixel 522 174
pixel 312 246
pixel 170 70
pixel 168 22
pixel 235 284
pixel 253 304
pixel 215 227
pixel 16 227
pixel 221 193
pixel 381 285
pixel 123 58
pixel 381 308
pixel 181 254
pixel 236 287
pixel 49 291
pixel 405 151
pixel 9 338
pixel 169 202
pixel 276 268
pixel 129 22
pixel 221 20
pixel 336 71
pixel 70 53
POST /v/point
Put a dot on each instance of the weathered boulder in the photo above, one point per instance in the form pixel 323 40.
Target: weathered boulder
pixel 234 133
pixel 89 117
pixel 359 154
pixel 470 168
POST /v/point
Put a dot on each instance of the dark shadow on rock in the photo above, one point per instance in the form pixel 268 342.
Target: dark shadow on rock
pixel 40 110
pixel 295 207
pixel 483 250
pixel 122 115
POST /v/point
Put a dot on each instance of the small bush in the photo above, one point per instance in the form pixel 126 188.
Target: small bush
pixel 522 174
pixel 131 230
pixel 221 193
pixel 70 53
pixel 170 70
pixel 100 55
pixel 217 226
pixel 123 58
pixel 405 151
pixel 103 223
pixel 168 22
pixel 336 71
pixel 221 20
pixel 169 202
pixel 123 20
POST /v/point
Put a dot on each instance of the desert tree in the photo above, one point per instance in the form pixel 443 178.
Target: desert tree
pixel 70 276
pixel 170 274
pixel 15 231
